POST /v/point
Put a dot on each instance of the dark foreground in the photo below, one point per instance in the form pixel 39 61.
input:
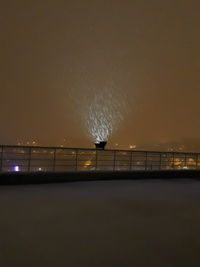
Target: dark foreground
pixel 101 223
pixel 74 176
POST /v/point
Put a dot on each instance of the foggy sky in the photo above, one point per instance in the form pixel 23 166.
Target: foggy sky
pixel 54 53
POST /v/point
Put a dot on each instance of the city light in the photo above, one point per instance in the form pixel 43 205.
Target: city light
pixel 88 163
pixel 16 168
pixel 132 146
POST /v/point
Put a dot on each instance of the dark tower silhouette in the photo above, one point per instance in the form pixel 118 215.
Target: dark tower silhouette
pixel 101 145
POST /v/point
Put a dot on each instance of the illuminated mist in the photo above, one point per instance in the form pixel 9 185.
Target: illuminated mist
pixel 103 115
pixel 100 112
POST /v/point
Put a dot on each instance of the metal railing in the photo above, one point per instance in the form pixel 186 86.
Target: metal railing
pixel 56 159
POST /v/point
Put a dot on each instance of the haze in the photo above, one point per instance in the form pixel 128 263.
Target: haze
pixel 55 53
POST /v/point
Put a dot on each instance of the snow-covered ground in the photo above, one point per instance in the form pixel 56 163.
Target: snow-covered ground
pixel 105 223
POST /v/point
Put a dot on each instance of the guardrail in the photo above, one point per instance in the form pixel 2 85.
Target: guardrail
pixel 56 159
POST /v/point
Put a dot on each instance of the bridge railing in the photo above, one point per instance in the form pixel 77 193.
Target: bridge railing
pixel 56 159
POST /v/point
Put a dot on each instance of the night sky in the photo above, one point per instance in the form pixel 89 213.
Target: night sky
pixel 55 56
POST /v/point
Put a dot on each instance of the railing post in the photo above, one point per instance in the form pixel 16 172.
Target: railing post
pixel 160 161
pixel 96 159
pixel 54 160
pixel 29 159
pixel 173 159
pixel 131 157
pixel 1 163
pixel 185 160
pixel 114 160
pixel 197 158
pixel 146 161
pixel 76 159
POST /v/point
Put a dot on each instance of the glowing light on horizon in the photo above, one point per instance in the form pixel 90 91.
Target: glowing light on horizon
pixel 88 163
pixel 132 146
pixel 16 168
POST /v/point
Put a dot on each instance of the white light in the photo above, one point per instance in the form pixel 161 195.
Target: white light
pixel 39 169
pixel 133 146
pixel 16 168
pixel 101 108
pixel 103 115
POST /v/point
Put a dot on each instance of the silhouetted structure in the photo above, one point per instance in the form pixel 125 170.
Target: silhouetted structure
pixel 57 159
pixel 100 145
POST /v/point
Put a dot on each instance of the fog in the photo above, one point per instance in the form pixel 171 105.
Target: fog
pixel 56 57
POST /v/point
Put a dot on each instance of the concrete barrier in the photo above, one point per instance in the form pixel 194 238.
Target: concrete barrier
pixel 53 177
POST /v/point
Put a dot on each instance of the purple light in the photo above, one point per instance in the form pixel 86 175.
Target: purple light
pixel 16 168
